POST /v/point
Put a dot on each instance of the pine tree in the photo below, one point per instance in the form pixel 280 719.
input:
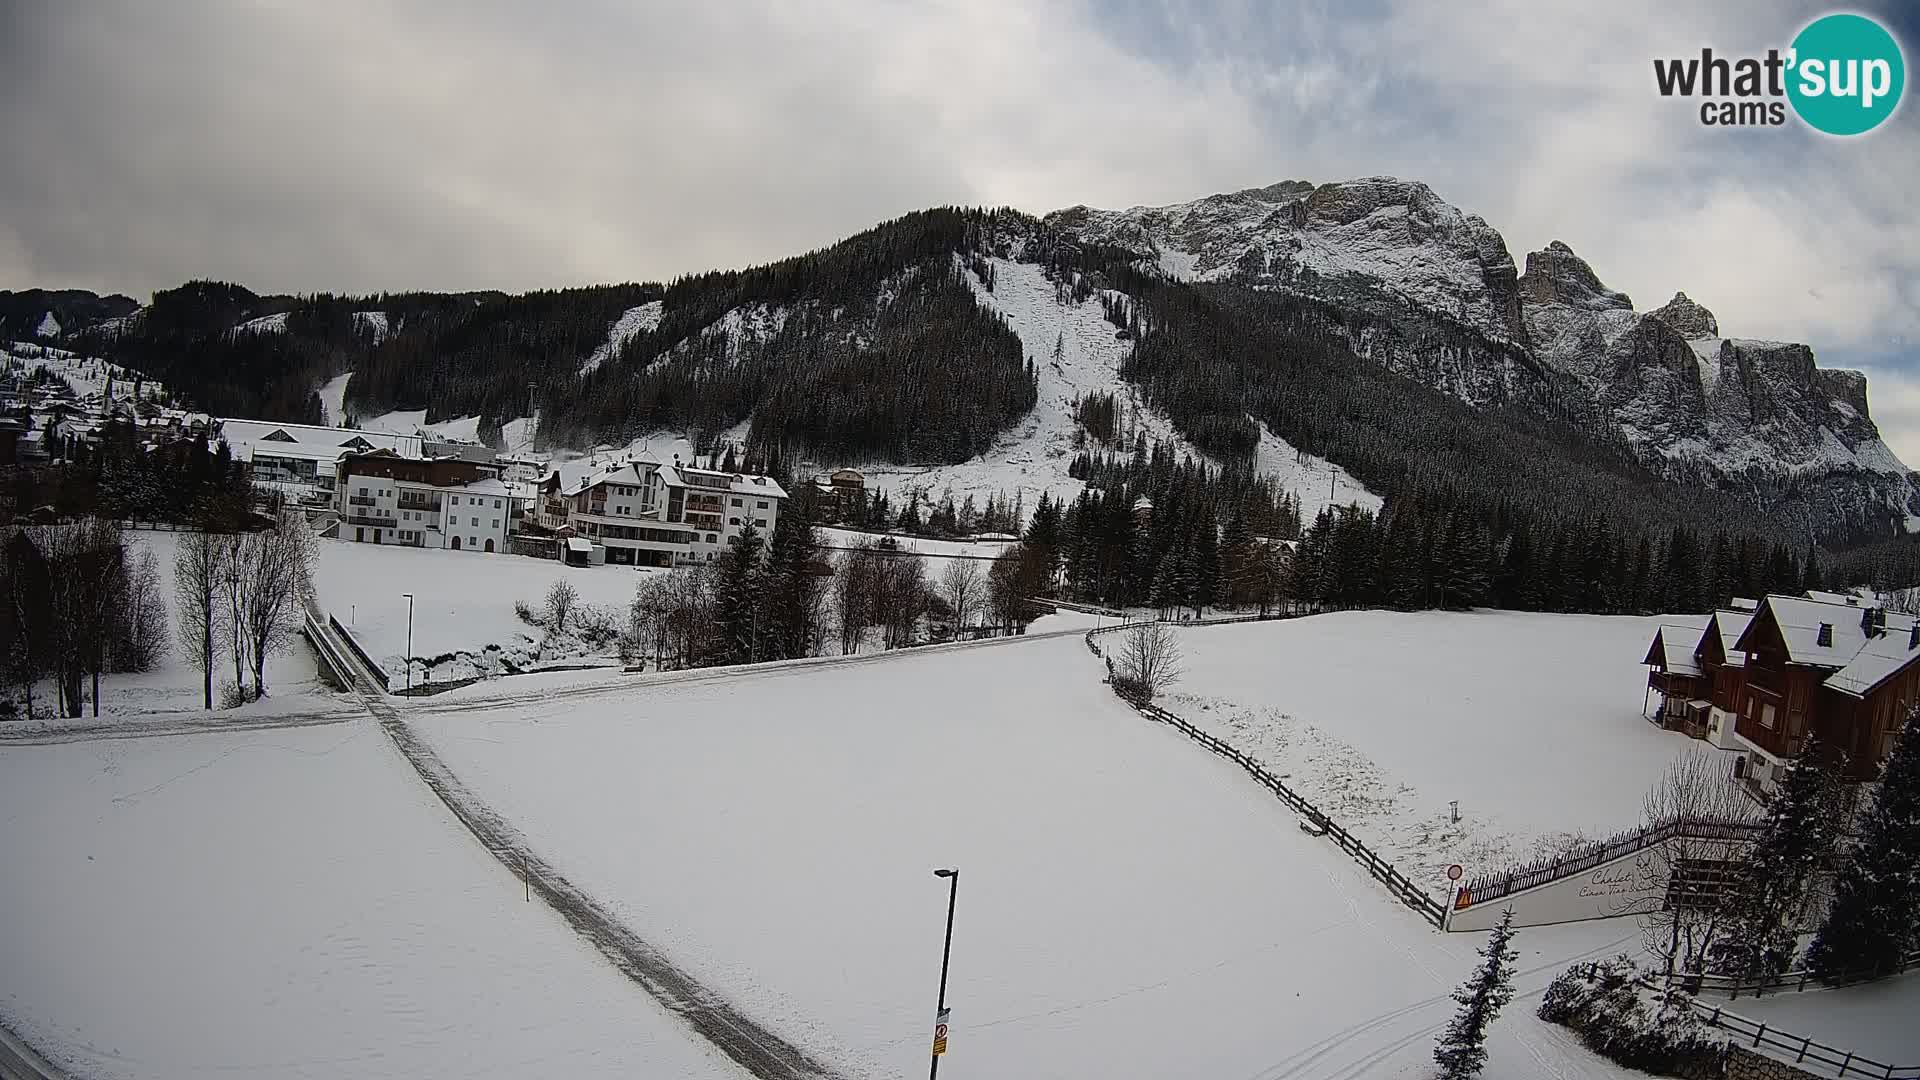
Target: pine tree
pixel 1875 917
pixel 1462 1052
pixel 1775 875
pixel 737 600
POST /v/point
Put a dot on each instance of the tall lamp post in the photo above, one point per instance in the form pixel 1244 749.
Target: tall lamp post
pixel 409 658
pixel 952 874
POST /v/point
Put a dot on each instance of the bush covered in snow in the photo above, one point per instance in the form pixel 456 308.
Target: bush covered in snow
pixel 1626 1022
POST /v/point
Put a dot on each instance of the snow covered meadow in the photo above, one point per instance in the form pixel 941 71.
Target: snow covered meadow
pixel 289 905
pixel 1382 719
pixel 463 603
pixel 1130 906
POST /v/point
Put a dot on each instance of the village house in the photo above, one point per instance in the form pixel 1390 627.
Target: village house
pixel 640 512
pixel 1829 666
pixel 383 498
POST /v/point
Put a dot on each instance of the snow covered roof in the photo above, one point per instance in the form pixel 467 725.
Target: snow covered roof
pixel 1800 620
pixel 1741 603
pixel 574 480
pixel 1882 657
pixel 1730 625
pixel 738 483
pixel 1672 649
pixel 580 544
pixel 308 440
pixel 489 486
pixel 1831 597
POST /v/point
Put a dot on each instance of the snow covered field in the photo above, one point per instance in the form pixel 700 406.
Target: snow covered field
pixel 463 600
pixel 1130 906
pixel 290 905
pixel 1382 718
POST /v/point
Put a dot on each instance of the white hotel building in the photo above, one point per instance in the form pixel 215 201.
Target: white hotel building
pixel 645 513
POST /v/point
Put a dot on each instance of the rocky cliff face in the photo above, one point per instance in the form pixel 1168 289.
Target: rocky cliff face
pixel 1750 416
pixel 1379 233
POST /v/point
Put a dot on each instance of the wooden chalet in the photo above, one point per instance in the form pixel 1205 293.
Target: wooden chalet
pixel 1840 669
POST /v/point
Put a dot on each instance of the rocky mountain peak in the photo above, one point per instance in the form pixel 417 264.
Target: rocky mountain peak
pixel 1688 319
pixel 1555 275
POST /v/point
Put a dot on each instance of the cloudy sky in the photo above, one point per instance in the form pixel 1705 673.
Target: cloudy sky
pixel 450 144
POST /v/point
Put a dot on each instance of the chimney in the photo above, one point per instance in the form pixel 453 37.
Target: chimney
pixel 1824 638
pixel 1873 621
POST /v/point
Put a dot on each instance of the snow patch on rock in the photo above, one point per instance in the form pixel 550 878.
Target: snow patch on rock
pixel 49 326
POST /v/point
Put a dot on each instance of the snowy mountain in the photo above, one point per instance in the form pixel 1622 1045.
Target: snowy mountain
pixel 1745 416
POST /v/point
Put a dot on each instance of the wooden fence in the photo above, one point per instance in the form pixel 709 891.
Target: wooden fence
pixel 1796 980
pixel 1793 1049
pixel 1382 871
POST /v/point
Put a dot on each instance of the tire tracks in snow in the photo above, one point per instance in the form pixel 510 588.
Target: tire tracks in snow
pixel 755 1048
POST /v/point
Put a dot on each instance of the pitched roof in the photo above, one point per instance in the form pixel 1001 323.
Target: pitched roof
pixel 1730 625
pixel 1881 658
pixel 1800 620
pixel 1672 649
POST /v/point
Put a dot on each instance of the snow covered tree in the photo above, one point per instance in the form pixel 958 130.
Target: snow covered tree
pixel 1875 917
pixel 1462 1052
pixel 1773 880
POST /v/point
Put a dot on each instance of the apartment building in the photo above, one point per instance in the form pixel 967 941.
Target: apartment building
pixel 299 460
pixel 384 498
pixel 641 512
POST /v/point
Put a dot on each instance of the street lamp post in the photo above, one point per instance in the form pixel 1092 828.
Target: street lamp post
pixel 952 875
pixel 409 657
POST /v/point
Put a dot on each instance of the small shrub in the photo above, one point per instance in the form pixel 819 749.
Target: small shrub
pixel 525 611
pixel 1620 1020
pixel 232 697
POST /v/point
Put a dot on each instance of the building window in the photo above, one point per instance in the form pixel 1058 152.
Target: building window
pixel 759 523
pixel 476 523
pixel 1766 716
pixel 496 504
pixel 496 523
pixel 736 502
pixel 733 521
pixel 761 505
pixel 455 500
pixel 711 539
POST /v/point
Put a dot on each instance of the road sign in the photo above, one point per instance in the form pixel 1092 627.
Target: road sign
pixel 1454 872
pixel 940 1032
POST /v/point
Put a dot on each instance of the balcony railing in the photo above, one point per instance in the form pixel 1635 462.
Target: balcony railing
pixel 420 504
pixel 362 500
pixel 377 520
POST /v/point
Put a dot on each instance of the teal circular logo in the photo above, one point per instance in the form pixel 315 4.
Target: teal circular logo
pixel 1846 74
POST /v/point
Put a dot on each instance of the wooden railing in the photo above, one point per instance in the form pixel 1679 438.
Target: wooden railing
pixel 1793 1049
pixel 1320 823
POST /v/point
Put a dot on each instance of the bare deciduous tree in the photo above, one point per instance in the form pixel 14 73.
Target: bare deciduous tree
pixel 1687 922
pixel 279 576
pixel 961 583
pixel 854 586
pixel 1149 660
pixel 144 616
pixel 562 598
pixel 197 574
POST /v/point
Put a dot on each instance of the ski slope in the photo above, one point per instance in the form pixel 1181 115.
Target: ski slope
pixel 333 401
pixel 290 905
pixel 1033 455
pixel 1532 722
pixel 631 323
pixel 1129 906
